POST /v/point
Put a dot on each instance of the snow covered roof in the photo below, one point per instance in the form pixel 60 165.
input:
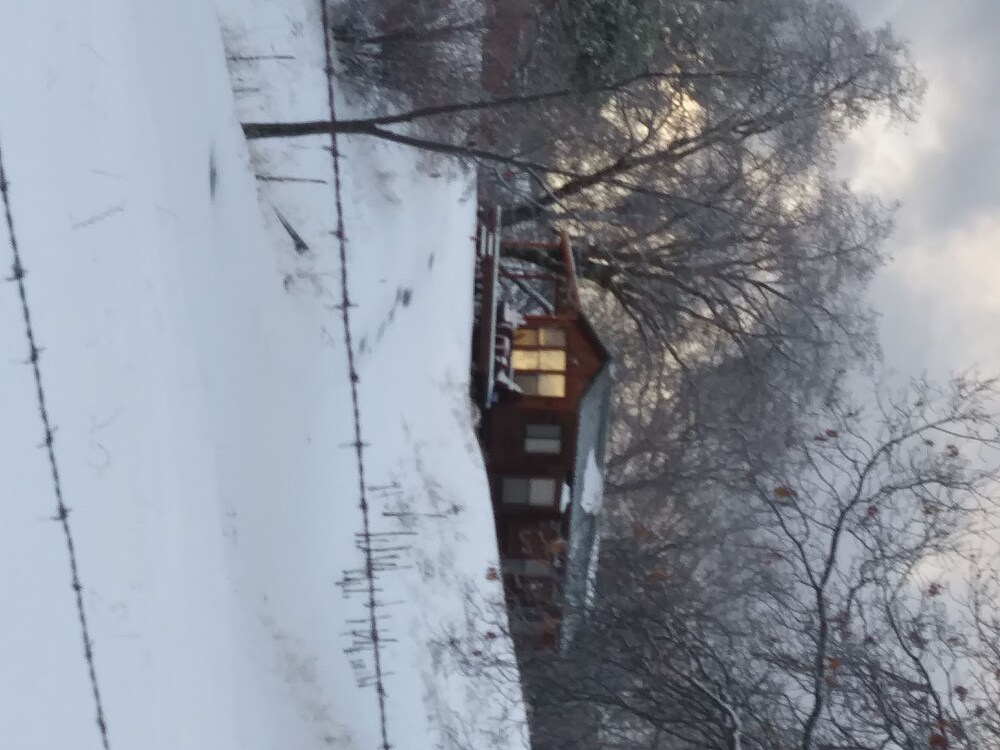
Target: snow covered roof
pixel 587 498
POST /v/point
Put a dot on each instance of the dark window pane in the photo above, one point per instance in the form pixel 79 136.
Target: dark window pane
pixel 542 491
pixel 515 490
pixel 527 383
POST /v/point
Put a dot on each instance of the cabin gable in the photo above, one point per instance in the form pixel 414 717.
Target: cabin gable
pixel 542 375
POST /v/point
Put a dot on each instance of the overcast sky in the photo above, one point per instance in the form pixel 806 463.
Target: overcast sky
pixel 940 296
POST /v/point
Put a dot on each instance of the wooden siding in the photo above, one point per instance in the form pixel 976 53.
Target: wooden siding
pixel 505 429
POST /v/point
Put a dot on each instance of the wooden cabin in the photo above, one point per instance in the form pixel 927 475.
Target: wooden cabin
pixel 542 375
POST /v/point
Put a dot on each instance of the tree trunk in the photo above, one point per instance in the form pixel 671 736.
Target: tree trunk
pixel 254 130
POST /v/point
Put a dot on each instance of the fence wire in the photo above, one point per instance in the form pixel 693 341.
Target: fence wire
pixel 366 538
pixel 61 516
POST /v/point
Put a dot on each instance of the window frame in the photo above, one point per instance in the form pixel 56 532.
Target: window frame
pixel 542 359
pixel 543 443
pixel 528 493
pixel 522 378
pixel 534 340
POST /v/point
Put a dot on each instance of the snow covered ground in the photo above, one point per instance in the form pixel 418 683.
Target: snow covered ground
pixel 194 364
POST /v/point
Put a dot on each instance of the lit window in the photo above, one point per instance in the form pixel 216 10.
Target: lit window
pixel 539 359
pixel 541 384
pixel 526 337
pixel 552 337
pixel 540 337
pixel 543 438
pixel 551 359
pixel 538 491
pixel 525 359
pixel 550 384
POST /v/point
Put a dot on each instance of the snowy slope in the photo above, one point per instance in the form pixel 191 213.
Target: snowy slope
pixel 195 366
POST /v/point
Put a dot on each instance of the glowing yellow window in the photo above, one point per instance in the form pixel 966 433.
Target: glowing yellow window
pixel 541 384
pixel 551 359
pixel 550 384
pixel 540 337
pixel 525 359
pixel 526 337
pixel 539 359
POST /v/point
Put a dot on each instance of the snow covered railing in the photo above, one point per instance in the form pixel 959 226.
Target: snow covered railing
pixel 490 252
pixel 497 319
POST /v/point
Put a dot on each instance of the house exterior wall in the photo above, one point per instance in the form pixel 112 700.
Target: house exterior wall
pixel 533 539
pixel 506 423
pixel 533 562
pixel 505 443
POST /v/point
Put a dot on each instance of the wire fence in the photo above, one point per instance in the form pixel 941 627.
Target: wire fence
pixel 17 277
pixel 366 540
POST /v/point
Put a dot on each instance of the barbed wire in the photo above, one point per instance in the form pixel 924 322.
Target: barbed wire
pixel 365 542
pixel 17 276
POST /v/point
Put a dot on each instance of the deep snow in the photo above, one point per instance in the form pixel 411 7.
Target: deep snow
pixel 194 364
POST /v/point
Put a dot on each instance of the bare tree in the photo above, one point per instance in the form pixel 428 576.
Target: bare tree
pixel 694 168
pixel 414 52
pixel 800 607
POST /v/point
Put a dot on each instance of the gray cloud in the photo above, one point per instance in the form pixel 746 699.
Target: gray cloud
pixel 936 297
